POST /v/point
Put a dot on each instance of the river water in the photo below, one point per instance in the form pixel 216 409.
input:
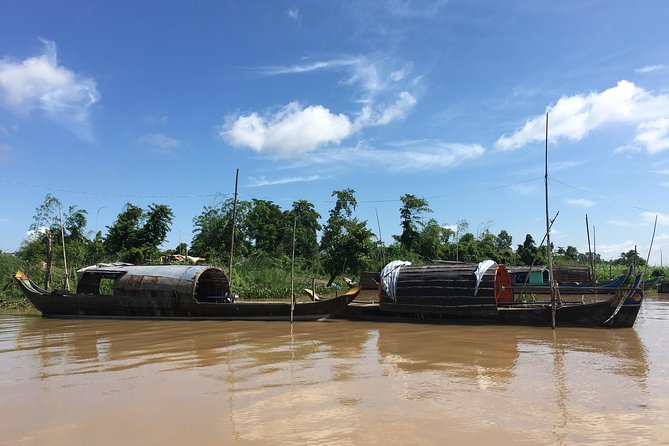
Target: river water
pixel 113 382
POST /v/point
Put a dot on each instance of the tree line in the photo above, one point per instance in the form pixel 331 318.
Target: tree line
pixel 342 244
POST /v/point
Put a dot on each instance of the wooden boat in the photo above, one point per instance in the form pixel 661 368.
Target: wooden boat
pixel 577 288
pixel 663 287
pixel 166 291
pixel 653 283
pixel 482 294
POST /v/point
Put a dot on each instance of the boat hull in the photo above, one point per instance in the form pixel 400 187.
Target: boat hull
pixel 568 315
pixel 78 306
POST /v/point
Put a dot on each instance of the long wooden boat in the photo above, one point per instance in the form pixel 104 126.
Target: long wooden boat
pixel 483 294
pixel 166 291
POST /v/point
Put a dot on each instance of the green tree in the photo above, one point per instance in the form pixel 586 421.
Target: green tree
pixel 432 240
pixel 136 234
pixel 306 232
pixel 411 219
pixel 628 258
pixel 529 253
pixel 346 241
pixel 213 231
pixel 268 228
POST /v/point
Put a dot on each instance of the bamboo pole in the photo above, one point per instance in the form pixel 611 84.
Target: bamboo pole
pixel 548 235
pixel 592 265
pixel 383 250
pixel 292 275
pixel 232 237
pixel 62 238
pixel 651 247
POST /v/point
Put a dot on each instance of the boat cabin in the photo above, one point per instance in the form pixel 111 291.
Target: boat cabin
pixel 184 282
pixel 433 288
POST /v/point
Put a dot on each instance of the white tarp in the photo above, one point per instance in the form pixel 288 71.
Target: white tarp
pixel 480 271
pixel 389 275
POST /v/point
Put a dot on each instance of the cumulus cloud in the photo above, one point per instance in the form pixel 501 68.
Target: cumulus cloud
pixel 574 117
pixel 40 83
pixel 264 181
pixel 581 202
pixel 293 13
pixel 293 130
pixel 381 86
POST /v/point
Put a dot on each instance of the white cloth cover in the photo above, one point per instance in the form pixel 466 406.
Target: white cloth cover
pixel 480 271
pixel 389 275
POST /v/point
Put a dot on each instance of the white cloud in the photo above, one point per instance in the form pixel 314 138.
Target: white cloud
pixel 662 219
pixel 409 9
pixel 307 68
pixel 654 136
pixel 293 13
pixel 406 156
pixel 263 181
pixel 581 202
pixel 155 119
pixel 384 115
pixel 160 141
pixel 574 117
pixel 39 83
pixel 294 130
pixel 650 68
pixel 524 189
pixel 613 250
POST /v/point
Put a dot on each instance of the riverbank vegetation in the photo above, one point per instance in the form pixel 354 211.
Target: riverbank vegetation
pixel 343 245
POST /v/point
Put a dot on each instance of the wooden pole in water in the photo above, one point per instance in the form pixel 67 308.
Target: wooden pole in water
pixel 651 247
pixel 592 265
pixel 594 255
pixel 62 238
pixel 548 234
pixel 292 274
pixel 234 222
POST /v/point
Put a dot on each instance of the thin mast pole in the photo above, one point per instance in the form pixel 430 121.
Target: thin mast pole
pixel 234 222
pixel 592 265
pixel 62 238
pixel 292 274
pixel 651 246
pixel 548 234
pixel 383 251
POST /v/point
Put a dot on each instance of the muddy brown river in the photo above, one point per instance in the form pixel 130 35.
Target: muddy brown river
pixel 126 382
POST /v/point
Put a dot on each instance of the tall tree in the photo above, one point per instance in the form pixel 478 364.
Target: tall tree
pixel 411 219
pixel 213 231
pixel 529 253
pixel 267 227
pixel 306 232
pixel 346 240
pixel 136 234
pixel 432 241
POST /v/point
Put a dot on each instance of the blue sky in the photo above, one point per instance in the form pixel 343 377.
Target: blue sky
pixel 104 103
